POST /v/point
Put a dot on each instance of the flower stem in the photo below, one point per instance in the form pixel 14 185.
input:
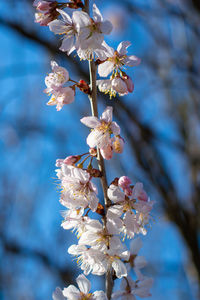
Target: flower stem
pixel 94 108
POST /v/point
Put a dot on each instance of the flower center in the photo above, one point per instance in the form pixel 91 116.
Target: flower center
pixel 85 296
pixel 105 126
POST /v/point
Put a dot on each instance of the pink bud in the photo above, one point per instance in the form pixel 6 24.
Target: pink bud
pixel 71 160
pixel 119 86
pixel 124 182
pixel 44 5
pixel 107 152
pixel 129 84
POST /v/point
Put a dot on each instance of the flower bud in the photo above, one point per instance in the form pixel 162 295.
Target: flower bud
pixel 71 160
pixel 84 87
pixel 129 84
pixel 119 86
pixel 124 182
pixel 107 152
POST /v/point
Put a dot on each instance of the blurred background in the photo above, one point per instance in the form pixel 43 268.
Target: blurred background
pixel 160 122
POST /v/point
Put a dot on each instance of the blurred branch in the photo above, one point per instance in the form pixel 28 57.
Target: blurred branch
pixel 66 274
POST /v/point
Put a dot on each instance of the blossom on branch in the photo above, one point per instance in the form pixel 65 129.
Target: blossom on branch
pixel 130 288
pixel 54 82
pixel 80 293
pixel 67 28
pixel 117 59
pixel 77 188
pixel 100 136
pixel 132 205
pixel 46 11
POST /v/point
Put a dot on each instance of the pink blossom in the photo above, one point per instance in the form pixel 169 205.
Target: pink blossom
pixel 61 97
pixel 107 152
pixel 46 12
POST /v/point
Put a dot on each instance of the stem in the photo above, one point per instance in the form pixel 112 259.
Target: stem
pixel 94 108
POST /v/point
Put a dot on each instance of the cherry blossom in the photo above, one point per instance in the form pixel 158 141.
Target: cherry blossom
pixel 103 128
pixel 130 288
pixel 91 30
pixel 67 28
pixel 119 84
pixel 135 212
pixel 61 96
pixel 117 59
pixel 90 260
pixel 136 262
pixel 126 212
pixel 46 12
pixel 80 293
pixel 54 82
pixel 77 188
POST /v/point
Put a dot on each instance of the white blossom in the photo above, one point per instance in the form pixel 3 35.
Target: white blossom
pixel 65 27
pixel 91 30
pixel 118 59
pixel 130 288
pixel 77 188
pixel 74 219
pixel 84 285
pixel 90 260
pixel 103 128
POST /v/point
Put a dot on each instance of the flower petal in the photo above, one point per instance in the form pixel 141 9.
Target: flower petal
pixel 115 128
pixel 107 114
pixel 71 292
pixel 83 284
pixel 58 294
pixel 120 268
pixel 97 16
pixel 106 27
pixel 99 295
pixel 67 19
pixel 81 19
pixel 105 68
pixel 114 194
pixel 67 44
pixel 57 26
pixel 122 48
pixel 132 61
pixel 91 122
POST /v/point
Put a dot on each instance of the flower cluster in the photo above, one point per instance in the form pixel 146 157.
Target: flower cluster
pixel 126 209
pixel 100 247
pixel 82 33
pixel 55 86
